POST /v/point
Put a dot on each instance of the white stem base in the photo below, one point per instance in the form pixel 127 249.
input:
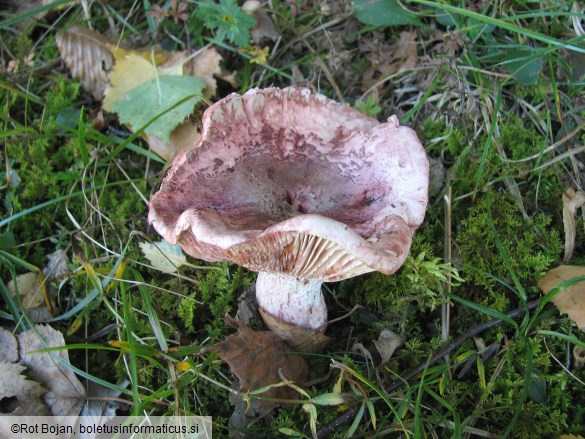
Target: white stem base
pixel 293 300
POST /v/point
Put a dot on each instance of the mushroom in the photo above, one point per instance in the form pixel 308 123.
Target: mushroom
pixel 300 188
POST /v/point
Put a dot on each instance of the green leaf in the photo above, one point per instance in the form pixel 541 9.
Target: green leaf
pixel 447 18
pixel 7 240
pixel 537 391
pixel 155 99
pixel 382 13
pixel 524 65
pixel 329 399
pixel 228 20
pixel 164 256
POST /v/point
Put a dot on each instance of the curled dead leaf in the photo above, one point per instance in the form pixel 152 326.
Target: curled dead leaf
pixel 265 30
pixel 579 355
pixel 571 300
pixel 305 339
pixel 204 64
pixel 30 289
pixel 184 136
pixel 572 200
pixel 388 60
pixel 88 56
pixel 258 359
pixel 387 343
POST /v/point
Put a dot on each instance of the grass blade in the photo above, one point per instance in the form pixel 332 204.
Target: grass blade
pixel 483 309
pixel 569 45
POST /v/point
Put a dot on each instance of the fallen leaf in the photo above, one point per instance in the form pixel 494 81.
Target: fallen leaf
pixel 387 343
pixel 203 64
pixel 9 351
pixel 579 355
pixel 571 300
pixel 154 97
pixel 163 256
pixel 265 30
pixel 65 395
pixel 135 68
pixel 388 60
pixel 183 136
pixel 305 339
pixel 250 6
pixel 130 71
pixel 89 57
pixel 572 200
pixel 58 265
pixel 20 396
pixel 29 288
pixel 382 13
pixel 100 407
pixel 360 348
pixel 247 307
pixel 258 359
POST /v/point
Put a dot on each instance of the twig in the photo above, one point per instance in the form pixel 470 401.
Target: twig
pixel 349 415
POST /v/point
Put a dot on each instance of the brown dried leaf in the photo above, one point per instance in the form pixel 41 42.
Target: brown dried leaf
pixel 66 395
pixel 265 30
pixel 570 301
pixel 204 64
pixel 579 355
pixel 29 289
pixel 184 136
pixel 247 307
pixel 387 343
pixel 18 395
pixel 9 351
pixel 572 200
pixel 58 265
pixel 255 358
pixel 89 57
pixel 300 339
pixel 388 60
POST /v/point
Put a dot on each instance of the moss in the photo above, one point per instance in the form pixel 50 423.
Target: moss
pixel 519 139
pixel 531 245
pixel 39 161
pixel 415 288
pixel 203 309
pixel 443 140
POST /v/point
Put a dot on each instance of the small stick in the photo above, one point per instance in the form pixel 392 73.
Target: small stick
pixel 349 415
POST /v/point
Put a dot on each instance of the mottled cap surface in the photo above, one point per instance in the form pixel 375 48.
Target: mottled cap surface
pixel 288 181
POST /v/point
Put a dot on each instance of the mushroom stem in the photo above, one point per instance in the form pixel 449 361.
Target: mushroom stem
pixel 295 301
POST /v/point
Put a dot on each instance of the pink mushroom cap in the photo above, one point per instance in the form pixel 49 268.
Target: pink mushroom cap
pixel 287 181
